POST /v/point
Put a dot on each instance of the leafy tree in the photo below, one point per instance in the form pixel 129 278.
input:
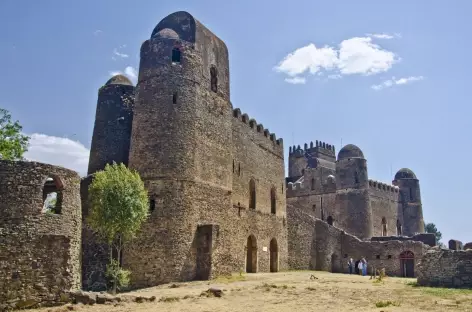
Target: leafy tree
pixel 431 228
pixel 13 144
pixel 119 206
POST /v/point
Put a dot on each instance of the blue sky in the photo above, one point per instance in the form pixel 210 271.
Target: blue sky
pixel 390 77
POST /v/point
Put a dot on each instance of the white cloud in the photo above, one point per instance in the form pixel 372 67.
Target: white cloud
pixel 296 80
pixel 97 32
pixel 391 82
pixel 129 71
pixel 58 151
pixel 358 55
pixel 384 36
pixel 119 54
pixel 361 56
pixel 308 58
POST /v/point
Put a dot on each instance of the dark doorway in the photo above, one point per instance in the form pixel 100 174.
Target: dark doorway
pixel 251 257
pixel 357 267
pixel 407 264
pixel 274 256
pixel 334 263
pixel 204 246
pixel 330 220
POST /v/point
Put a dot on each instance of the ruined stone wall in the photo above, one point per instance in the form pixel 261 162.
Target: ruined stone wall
pixel 384 201
pixel 446 268
pixel 39 252
pixel 335 247
pixel 257 155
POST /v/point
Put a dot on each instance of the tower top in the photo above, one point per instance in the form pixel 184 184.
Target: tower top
pixel 119 80
pixel 405 173
pixel 350 151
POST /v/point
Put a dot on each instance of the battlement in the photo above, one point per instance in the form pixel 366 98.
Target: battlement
pixel 259 128
pixel 318 146
pixel 383 186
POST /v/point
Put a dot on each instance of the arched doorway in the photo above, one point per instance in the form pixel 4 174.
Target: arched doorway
pixel 251 257
pixel 407 264
pixel 384 226
pixel 274 256
pixel 334 264
pixel 330 220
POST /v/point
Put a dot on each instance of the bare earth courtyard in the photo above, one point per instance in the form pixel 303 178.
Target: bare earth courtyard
pixel 294 292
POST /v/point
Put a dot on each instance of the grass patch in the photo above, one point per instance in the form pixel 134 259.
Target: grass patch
pixel 445 292
pixel 384 304
pixel 169 299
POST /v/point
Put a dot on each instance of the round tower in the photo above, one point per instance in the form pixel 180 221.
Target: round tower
pixel 112 129
pixel 180 144
pixel 410 200
pixel 354 213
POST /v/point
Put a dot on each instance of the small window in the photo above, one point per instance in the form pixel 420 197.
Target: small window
pixel 345 255
pixel 174 98
pixel 273 201
pixel 356 177
pixel 176 55
pixel 313 208
pixel 239 169
pixel 233 165
pixel 152 204
pixel 411 193
pixel 282 188
pixel 252 194
pixel 384 226
pixel 214 79
pixel 377 257
pixel 389 256
pixel 312 184
pixel 52 195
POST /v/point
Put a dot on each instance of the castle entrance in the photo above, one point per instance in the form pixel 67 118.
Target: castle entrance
pixel 334 264
pixel 204 238
pixel 251 256
pixel 407 264
pixel 274 256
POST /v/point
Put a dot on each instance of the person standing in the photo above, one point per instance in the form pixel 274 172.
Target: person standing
pixel 364 267
pixel 360 266
pixel 350 264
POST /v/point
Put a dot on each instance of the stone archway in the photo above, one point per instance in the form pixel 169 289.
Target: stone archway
pixel 251 255
pixel 407 264
pixel 274 256
pixel 334 263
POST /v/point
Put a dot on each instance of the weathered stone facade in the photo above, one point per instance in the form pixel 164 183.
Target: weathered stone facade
pixel 446 268
pixel 340 192
pixel 214 176
pixel 316 245
pixel 39 250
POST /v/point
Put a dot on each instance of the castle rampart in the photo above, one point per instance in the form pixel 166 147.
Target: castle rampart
pixel 40 244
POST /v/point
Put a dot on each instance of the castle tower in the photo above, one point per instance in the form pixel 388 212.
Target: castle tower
pixel 112 129
pixel 310 156
pixel 181 146
pixel 410 197
pixel 352 193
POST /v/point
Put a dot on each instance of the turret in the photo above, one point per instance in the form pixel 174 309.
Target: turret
pixel 410 201
pixel 180 145
pixel 112 128
pixel 352 193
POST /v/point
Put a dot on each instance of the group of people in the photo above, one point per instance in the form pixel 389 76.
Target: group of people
pixel 361 266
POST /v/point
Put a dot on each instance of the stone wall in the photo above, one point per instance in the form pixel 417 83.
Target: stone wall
pixel 384 201
pixel 446 268
pixel 39 250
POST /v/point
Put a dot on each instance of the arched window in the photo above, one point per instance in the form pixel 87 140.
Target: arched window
pixel 152 204
pixel 384 226
pixel 312 184
pixel 214 79
pixel 411 193
pixel 239 169
pixel 330 220
pixel 233 165
pixel 174 98
pixel 314 207
pixel 176 55
pixel 252 194
pixel 52 195
pixel 273 201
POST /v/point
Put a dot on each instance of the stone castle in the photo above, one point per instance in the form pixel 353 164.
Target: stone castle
pixel 218 197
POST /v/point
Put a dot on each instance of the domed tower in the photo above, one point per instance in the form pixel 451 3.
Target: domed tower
pixel 180 145
pixel 112 129
pixel 352 193
pixel 410 200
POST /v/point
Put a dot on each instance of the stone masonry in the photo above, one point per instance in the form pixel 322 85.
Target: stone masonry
pixel 446 268
pixel 39 251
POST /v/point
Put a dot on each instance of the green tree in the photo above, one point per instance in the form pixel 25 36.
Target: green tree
pixel 431 228
pixel 119 206
pixel 13 144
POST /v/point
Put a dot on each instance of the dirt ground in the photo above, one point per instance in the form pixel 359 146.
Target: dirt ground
pixel 293 292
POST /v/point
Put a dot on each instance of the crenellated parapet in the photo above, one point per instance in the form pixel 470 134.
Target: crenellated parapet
pixel 373 184
pixel 317 146
pixel 258 128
